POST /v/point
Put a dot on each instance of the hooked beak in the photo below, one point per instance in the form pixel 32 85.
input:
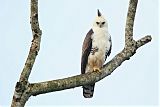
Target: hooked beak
pixel 100 25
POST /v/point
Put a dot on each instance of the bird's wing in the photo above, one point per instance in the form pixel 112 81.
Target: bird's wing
pixel 108 52
pixel 86 48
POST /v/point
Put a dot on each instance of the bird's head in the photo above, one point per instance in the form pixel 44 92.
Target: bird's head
pixel 100 21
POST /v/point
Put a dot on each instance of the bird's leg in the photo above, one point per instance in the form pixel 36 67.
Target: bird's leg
pixel 98 66
pixel 96 69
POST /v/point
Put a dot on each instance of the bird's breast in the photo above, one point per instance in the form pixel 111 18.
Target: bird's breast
pixel 100 41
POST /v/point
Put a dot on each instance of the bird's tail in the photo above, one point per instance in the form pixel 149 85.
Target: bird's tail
pixel 88 90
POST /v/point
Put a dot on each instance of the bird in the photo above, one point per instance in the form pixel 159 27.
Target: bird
pixel 96 48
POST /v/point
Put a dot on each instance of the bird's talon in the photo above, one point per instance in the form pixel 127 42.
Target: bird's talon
pixel 96 69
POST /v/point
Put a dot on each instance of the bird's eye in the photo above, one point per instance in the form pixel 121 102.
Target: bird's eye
pixel 103 23
pixel 97 23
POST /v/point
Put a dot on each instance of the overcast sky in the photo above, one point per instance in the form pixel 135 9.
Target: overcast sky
pixel 64 24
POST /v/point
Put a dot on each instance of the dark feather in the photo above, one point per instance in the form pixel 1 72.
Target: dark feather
pixel 86 48
pixel 99 13
pixel 108 52
pixel 88 90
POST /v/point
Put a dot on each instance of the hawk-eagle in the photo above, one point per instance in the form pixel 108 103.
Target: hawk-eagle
pixel 96 47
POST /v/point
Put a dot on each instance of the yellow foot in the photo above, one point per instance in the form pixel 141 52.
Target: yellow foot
pixel 96 69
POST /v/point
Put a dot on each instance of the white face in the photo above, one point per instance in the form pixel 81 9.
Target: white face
pixel 100 22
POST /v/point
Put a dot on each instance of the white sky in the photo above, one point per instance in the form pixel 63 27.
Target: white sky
pixel 64 24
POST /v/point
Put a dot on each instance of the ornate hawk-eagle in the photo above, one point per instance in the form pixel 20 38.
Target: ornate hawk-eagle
pixel 96 47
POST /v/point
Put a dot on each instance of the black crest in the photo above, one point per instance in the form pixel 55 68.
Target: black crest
pixel 99 13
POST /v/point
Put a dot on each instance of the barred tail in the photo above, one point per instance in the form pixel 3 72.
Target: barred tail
pixel 88 90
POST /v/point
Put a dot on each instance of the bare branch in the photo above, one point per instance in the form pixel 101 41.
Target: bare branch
pixel 143 41
pixel 20 96
pixel 80 80
pixel 130 21
pixel 35 46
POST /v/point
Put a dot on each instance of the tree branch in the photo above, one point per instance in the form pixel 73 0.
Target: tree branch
pixel 35 46
pixel 20 96
pixel 143 41
pixel 24 89
pixel 80 80
pixel 130 21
